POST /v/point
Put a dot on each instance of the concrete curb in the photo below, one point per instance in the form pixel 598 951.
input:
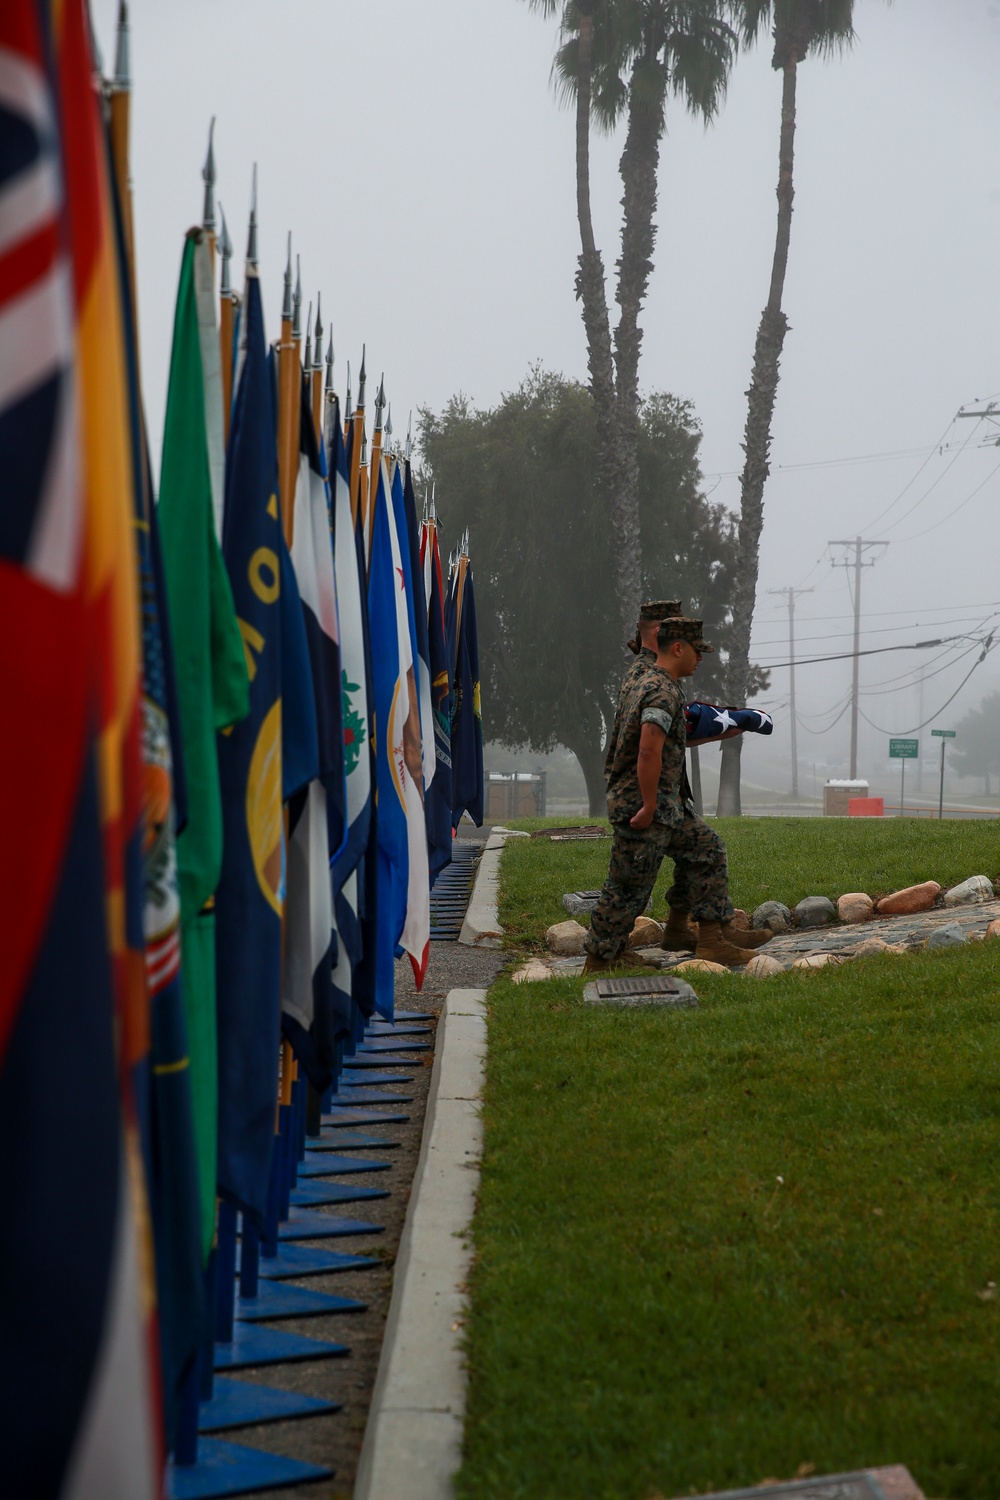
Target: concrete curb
pixel 413 1441
pixel 481 928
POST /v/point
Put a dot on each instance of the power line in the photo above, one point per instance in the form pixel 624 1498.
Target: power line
pixel 832 635
pixel 961 506
pixel 933 484
pixel 930 609
pixel 913 479
pixel 808 661
pixel 987 647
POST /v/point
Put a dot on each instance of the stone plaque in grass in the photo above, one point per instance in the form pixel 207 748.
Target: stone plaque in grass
pixel 633 991
pixel 580 903
pixel 893 1482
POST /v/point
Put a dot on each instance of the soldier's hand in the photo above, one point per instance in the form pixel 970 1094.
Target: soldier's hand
pixel 643 818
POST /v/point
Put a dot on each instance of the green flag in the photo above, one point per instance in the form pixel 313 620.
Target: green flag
pixel 212 688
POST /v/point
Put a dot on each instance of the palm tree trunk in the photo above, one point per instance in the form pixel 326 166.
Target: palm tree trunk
pixel 591 292
pixel 638 167
pixel 757 446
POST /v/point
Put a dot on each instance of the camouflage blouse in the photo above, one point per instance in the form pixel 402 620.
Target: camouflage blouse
pixel 648 696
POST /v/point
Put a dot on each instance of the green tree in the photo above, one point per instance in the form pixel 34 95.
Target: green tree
pixel 799 27
pixel 626 58
pixel 523 478
pixel 977 744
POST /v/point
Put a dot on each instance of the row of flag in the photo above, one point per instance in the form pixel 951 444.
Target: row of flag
pixel 247 723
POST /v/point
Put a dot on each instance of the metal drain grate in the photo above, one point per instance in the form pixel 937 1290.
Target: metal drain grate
pixel 451 892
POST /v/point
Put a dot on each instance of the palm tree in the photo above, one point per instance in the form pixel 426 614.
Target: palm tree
pixel 578 16
pixel 799 27
pixel 626 57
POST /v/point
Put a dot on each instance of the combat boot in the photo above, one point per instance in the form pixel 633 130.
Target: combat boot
pixel 755 937
pixel 679 936
pixel 714 948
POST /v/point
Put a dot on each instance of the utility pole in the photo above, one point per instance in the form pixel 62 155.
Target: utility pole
pixel 789 594
pixel 859 546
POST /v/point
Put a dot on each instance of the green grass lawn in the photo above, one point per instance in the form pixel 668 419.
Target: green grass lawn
pixel 654 1313
pixel 782 859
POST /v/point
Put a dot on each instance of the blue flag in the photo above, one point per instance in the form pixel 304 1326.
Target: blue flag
pixel 249 896
pixel 317 816
pixel 467 723
pixel 437 798
pixel 390 641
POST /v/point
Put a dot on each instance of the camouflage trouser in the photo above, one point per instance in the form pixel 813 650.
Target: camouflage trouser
pixel 701 883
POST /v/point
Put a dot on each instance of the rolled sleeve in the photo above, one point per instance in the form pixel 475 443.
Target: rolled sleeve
pixel 659 717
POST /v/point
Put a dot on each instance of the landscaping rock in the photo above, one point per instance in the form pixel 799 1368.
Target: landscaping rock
pixel 869 946
pixel 951 936
pixel 855 906
pixel 699 966
pixel 656 957
pixel 818 960
pixel 530 972
pixel 762 966
pixel 815 911
pixel 567 968
pixel 565 938
pixel 580 903
pixel 645 934
pixel 993 930
pixel 774 915
pixel 740 920
pixel 971 892
pixel 911 899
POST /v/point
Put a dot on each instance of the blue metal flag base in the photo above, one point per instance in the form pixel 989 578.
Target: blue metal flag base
pixel 276 1300
pixel 252 1345
pixel 352 1078
pixel 325 1164
pixel 303 1225
pixel 309 1260
pixel 391 1044
pixel 385 1028
pixel 230 1469
pixel 339 1117
pixel 237 1403
pixel 384 1060
pixel 340 1142
pixel 313 1194
pixel 347 1098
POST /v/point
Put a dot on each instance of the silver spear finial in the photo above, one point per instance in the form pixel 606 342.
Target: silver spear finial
pixel 226 254
pixel 122 81
pixel 208 177
pixel 297 302
pixel 252 234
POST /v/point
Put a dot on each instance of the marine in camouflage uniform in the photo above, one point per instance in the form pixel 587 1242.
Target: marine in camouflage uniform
pixel 650 695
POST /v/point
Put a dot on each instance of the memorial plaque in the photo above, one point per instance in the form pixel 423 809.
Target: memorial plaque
pixel 891 1483
pixel 638 984
pixel 646 990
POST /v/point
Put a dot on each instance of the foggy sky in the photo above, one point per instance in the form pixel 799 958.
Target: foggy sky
pixel 427 174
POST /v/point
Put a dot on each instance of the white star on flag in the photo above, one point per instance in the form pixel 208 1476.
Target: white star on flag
pixel 764 718
pixel 723 720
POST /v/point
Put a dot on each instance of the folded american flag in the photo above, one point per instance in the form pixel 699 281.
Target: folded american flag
pixel 704 720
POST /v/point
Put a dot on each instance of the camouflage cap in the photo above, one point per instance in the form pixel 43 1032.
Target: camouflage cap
pixel 658 609
pixel 683 629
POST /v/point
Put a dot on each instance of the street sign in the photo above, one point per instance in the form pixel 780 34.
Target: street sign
pixel 942 734
pixel 904 749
